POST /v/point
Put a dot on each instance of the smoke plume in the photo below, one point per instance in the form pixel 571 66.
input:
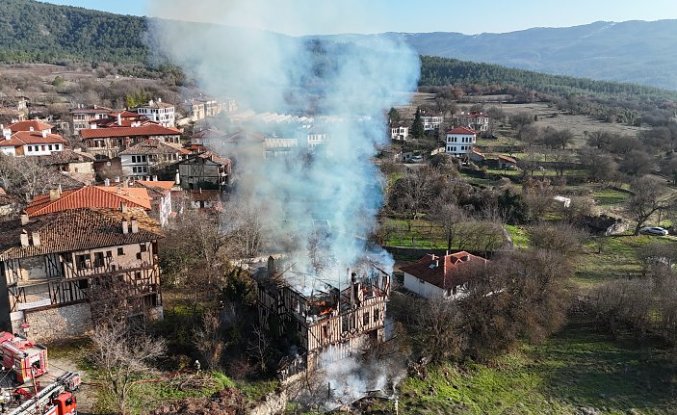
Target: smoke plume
pixel 321 204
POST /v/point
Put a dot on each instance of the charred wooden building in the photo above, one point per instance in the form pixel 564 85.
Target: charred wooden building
pixel 323 317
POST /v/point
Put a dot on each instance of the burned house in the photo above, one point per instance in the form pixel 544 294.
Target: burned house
pixel 323 317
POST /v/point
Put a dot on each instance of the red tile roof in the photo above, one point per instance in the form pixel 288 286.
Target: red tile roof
pixel 151 146
pixel 507 159
pixel 443 272
pixel 90 197
pixel 144 130
pixel 462 131
pixel 26 126
pixel 32 137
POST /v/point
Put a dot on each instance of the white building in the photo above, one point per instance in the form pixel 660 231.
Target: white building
pixel 31 141
pixel 160 112
pixel 399 133
pixel 432 122
pixel 443 276
pixel 460 141
pixel 478 121
pixel 141 160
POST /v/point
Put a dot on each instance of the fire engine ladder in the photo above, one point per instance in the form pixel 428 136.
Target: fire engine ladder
pixel 34 405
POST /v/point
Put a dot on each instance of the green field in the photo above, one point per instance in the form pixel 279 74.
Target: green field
pixel 575 369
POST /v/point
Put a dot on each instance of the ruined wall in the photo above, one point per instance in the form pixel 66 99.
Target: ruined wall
pixel 274 403
pixel 56 323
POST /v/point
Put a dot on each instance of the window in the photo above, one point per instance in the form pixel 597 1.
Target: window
pixel 30 148
pixel 82 260
pixel 142 247
pixel 365 319
pixel 109 254
pixel 98 259
pixel 377 315
pixel 50 147
pixel 42 147
pixel 57 146
pixel 137 275
pixel 121 251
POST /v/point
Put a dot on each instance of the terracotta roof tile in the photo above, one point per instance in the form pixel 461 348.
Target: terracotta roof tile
pixel 141 131
pixel 26 126
pixel 443 271
pixel 157 184
pixel 90 197
pixel 462 131
pixel 31 138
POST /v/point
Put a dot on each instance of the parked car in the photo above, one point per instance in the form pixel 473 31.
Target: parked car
pixel 654 230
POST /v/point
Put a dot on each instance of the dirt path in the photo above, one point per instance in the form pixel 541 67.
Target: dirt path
pixel 86 395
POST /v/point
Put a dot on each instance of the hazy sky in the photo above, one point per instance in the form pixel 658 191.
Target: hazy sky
pixel 375 16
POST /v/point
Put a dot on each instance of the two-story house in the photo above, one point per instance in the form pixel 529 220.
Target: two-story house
pixel 30 138
pixel 108 142
pixel 159 112
pixel 460 141
pixel 478 121
pixel 72 253
pixel 84 116
pixel 432 122
pixel 205 170
pixel 435 276
pixel 145 158
pixel 399 132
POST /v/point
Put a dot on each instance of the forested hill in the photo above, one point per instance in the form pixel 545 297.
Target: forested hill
pixel 437 71
pixel 39 32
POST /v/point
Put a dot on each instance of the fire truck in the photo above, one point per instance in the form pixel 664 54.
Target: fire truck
pixel 23 362
pixel 56 398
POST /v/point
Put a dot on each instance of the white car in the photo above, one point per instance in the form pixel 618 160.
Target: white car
pixel 654 230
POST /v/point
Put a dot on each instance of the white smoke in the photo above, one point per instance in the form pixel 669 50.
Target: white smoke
pixel 334 195
pixel 325 202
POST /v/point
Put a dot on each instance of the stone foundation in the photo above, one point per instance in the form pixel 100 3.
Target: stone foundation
pixel 55 323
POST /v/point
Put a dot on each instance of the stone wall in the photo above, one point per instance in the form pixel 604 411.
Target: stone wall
pixel 57 323
pixel 273 404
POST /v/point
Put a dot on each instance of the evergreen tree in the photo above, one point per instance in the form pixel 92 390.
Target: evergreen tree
pixel 417 130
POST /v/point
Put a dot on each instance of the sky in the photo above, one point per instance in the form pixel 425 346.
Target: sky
pixel 376 16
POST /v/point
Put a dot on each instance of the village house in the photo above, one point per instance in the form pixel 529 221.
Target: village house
pixel 160 193
pixel 345 319
pixel 84 116
pixel 478 121
pixel 159 112
pixel 207 200
pixel 200 108
pixel 70 161
pixel 108 142
pixel 460 141
pixel 440 276
pixel 432 122
pixel 205 170
pixel 147 157
pixel 399 133
pixel 30 138
pixel 11 112
pixel 73 252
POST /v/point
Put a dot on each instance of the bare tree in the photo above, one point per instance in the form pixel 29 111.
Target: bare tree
pixel 448 216
pixel 123 358
pixel 209 339
pixel 260 347
pixel 648 197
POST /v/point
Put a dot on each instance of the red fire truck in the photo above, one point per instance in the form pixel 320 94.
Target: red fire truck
pixel 26 359
pixel 56 398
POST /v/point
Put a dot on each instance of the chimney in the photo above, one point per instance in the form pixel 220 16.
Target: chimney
pixel 125 227
pixel 24 219
pixel 7 133
pixel 271 267
pixel 54 194
pixel 106 182
pixel 123 207
pixel 159 100
pixel 36 238
pixel 44 134
pixel 352 289
pixel 135 226
pixel 92 126
pixel 31 129
pixel 119 119
pixel 117 179
pixel 155 178
pixel 24 239
pixel 177 178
